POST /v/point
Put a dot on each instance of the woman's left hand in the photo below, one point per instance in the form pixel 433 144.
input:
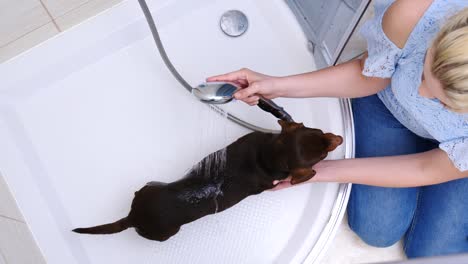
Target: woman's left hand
pixel 286 183
pixel 283 184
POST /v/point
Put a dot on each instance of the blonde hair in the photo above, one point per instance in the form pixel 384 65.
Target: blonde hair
pixel 450 64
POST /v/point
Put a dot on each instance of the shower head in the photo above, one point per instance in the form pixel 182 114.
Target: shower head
pixel 215 92
pixel 223 92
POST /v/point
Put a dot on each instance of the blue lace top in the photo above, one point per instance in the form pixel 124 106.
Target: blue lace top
pixel 425 117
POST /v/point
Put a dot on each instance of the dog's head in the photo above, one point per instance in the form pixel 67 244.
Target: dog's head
pixel 304 147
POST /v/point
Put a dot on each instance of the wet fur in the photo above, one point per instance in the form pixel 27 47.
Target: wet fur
pixel 253 162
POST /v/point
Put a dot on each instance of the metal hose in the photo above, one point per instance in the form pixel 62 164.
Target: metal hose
pixel 182 81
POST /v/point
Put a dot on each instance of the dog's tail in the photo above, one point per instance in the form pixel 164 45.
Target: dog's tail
pixel 111 228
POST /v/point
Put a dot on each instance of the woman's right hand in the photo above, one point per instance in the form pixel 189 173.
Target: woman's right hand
pixel 252 84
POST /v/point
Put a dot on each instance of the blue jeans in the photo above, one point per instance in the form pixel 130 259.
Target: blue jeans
pixel 432 219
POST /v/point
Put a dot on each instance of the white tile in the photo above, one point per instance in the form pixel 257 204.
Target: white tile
pixel 348 248
pixel 19 17
pixel 8 206
pixel 58 8
pixel 69 13
pixel 28 41
pixel 17 245
pixel 85 11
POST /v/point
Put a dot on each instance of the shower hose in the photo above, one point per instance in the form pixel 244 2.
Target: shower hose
pixel 182 81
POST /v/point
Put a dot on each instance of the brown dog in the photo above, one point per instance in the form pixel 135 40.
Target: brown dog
pixel 246 167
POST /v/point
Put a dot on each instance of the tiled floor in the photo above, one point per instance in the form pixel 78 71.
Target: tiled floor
pixel 26 23
pixel 16 242
pixel 348 248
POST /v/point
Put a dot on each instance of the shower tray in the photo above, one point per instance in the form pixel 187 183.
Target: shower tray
pixel 91 115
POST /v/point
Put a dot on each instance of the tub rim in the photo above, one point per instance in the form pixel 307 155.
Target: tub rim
pixel 328 233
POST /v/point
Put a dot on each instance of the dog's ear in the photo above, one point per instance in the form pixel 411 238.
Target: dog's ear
pixel 301 175
pixel 333 140
pixel 289 126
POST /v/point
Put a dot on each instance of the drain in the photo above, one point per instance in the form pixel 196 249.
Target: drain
pixel 234 23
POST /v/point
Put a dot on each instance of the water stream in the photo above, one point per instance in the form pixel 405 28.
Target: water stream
pixel 211 141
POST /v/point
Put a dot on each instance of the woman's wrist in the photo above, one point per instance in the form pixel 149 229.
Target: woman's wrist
pixel 297 86
pixel 324 171
pixel 281 86
pixel 278 86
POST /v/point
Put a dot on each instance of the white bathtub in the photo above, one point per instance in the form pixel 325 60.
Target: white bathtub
pixel 91 115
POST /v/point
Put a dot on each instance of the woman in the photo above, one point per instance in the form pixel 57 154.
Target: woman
pixel 410 111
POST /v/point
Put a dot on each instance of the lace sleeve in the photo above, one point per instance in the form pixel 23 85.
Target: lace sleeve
pixel 383 53
pixel 457 150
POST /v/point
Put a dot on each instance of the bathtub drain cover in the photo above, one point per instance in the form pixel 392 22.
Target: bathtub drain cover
pixel 234 23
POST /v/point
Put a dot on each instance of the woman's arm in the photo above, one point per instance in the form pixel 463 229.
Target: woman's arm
pixel 344 80
pixel 420 169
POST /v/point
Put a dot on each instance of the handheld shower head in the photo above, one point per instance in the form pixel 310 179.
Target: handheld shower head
pixel 215 92
pixel 223 92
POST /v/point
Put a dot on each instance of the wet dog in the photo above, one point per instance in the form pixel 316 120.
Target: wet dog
pixel 246 167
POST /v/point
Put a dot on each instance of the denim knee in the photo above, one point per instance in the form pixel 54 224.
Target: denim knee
pixel 381 216
pixel 373 237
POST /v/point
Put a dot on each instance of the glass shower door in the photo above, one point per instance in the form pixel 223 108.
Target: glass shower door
pixel 328 25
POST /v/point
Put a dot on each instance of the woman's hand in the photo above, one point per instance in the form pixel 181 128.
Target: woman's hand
pixel 286 183
pixel 253 85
